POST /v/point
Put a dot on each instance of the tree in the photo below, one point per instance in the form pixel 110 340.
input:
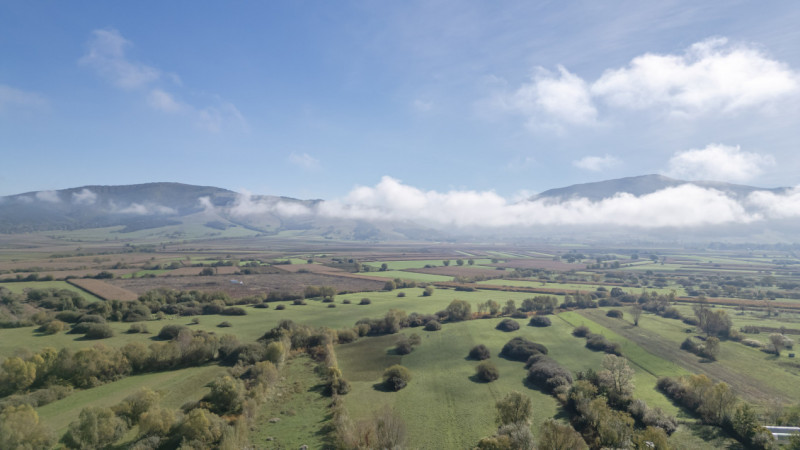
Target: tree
pixel 636 313
pixel 493 307
pixel 227 395
pixel 510 308
pixel 428 291
pixel 479 352
pixel 711 348
pixel 717 404
pixel 384 267
pixel 390 286
pixel 446 262
pixel 207 271
pixel 16 374
pixel 471 262
pixel 557 436
pixel 617 377
pixel 776 340
pixel 396 377
pixel 460 262
pixel 389 429
pixel 459 310
pixel 96 427
pixel 20 429
pixel 515 407
pixel 487 372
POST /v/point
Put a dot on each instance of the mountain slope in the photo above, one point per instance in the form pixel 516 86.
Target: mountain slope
pixel 642 185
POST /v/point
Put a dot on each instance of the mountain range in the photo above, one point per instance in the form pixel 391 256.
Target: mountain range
pixel 153 206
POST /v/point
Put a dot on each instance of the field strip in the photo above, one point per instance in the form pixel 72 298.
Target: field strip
pixel 658 346
pixel 103 290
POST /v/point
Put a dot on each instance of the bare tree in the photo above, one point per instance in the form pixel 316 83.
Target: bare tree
pixel 636 313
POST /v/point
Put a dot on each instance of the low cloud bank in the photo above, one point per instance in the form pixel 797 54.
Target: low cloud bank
pixel 685 206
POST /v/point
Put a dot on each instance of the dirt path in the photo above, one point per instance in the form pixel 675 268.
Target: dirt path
pixel 750 389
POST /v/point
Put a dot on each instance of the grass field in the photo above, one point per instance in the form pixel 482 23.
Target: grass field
pixel 299 405
pixel 177 387
pixel 20 288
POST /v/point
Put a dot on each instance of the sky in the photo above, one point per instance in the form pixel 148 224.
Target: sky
pixel 318 99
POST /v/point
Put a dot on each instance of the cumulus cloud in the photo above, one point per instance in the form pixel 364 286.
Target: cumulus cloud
pixel 106 54
pixel 549 97
pixel 304 160
pixel 48 196
pixel 718 162
pixel 15 99
pixel 682 206
pixel 84 197
pixel 205 203
pixel 596 163
pixel 710 77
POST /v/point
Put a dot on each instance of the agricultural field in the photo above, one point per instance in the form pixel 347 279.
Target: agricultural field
pixel 444 404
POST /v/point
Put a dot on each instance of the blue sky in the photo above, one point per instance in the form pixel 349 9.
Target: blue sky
pixel 311 99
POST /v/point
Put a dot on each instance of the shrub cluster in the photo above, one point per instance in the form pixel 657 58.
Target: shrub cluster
pixel 486 371
pixel 546 373
pixel 396 377
pixel 508 325
pixel 539 321
pixel 520 349
pixel 479 352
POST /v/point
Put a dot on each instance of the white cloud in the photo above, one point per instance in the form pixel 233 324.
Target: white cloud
pixel 777 206
pixel 718 162
pixel 144 209
pixel 106 54
pixel 304 160
pixel 683 206
pixel 710 77
pixel 422 105
pixel 48 196
pixel 163 101
pixel 552 98
pixel 247 204
pixel 84 197
pixel 11 98
pixel 596 163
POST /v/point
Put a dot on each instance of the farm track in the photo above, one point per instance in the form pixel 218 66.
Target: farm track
pixel 749 388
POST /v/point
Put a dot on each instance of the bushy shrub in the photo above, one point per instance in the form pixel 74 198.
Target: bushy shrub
pixel 520 349
pixel 53 327
pixel 486 371
pixel 689 345
pixel 615 313
pixel 332 305
pixel 479 352
pixel 234 311
pixel 298 301
pixel 346 335
pixel 539 321
pixel 396 377
pixel 401 294
pixel 600 343
pixel 224 324
pixel 169 332
pixel 280 307
pixel 508 325
pixel 433 326
pixel 137 328
pixel 98 331
pixel 365 301
pixel 546 373
pixel 261 305
pixel 346 301
pixel 580 331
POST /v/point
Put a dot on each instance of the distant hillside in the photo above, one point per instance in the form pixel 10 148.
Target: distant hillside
pixel 642 185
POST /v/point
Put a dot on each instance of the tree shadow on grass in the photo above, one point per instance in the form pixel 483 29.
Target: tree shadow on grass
pixel 380 387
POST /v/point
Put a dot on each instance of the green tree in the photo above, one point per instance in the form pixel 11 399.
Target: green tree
pixel 227 395
pixel 20 429
pixel 428 291
pixel 396 377
pixel 446 262
pixel 515 407
pixel 617 377
pixel 459 310
pixel 96 427
pixel 557 436
pixel 16 375
pixel 460 262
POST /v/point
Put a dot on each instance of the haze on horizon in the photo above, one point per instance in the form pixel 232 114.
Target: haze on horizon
pixel 435 102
